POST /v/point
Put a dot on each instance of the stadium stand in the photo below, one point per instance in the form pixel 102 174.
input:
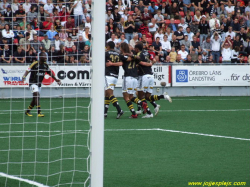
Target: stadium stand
pixel 59 24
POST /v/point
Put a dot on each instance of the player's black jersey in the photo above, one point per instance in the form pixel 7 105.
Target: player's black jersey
pixel 144 57
pixel 37 73
pixel 114 57
pixel 130 68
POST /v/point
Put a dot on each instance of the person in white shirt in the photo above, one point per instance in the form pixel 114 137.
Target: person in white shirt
pixel 213 21
pixel 88 23
pixel 31 31
pixel 78 12
pixel 109 16
pixel 7 33
pixel 158 17
pixel 85 15
pixel 88 6
pixel 133 41
pixel 14 6
pixel 183 53
pixel 226 51
pixel 26 6
pixel 152 26
pixel 3 6
pixel 230 8
pixel 247 9
pixel 57 42
pixel 120 7
pixel 189 34
pixel 48 7
pixel 43 2
pixel 215 46
pixel 159 34
pixel 230 32
pixel 169 34
pixel 113 39
pixel 183 25
pixel 125 15
pixel 166 45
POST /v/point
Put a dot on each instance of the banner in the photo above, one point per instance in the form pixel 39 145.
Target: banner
pixel 160 75
pixel 238 75
pixel 70 76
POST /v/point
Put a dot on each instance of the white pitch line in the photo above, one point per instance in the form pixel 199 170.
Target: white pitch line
pixel 23 180
pixel 206 99
pixel 182 132
pixel 229 110
pixel 154 129
pixel 56 131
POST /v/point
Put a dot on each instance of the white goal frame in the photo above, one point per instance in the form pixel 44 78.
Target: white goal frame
pixel 97 93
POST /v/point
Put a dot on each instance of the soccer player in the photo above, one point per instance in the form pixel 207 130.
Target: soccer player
pixel 146 81
pixel 112 60
pixel 130 78
pixel 37 70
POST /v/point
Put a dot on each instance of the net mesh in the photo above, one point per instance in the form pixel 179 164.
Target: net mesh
pixel 54 150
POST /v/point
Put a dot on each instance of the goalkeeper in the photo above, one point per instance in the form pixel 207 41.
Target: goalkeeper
pixel 37 70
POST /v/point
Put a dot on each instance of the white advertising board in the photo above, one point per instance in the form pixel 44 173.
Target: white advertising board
pixel 211 75
pixel 70 76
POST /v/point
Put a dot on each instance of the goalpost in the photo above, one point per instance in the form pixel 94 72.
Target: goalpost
pixel 66 147
pixel 97 113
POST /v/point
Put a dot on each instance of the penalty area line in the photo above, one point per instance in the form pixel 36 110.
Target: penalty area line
pixel 116 130
pixel 181 132
pixel 23 180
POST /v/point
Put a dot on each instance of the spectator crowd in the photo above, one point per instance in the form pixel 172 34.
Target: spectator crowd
pixel 173 31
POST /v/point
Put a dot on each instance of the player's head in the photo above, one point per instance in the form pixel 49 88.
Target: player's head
pixel 42 57
pixel 110 45
pixel 138 47
pixel 125 47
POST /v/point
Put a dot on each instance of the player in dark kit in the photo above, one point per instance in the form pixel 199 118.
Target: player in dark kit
pixel 112 60
pixel 146 81
pixel 130 77
pixel 37 70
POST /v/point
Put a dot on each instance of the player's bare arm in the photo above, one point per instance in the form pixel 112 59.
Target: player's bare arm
pixel 57 80
pixel 25 75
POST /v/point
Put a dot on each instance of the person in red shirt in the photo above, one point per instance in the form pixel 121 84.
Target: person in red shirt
pixel 63 15
pixel 69 25
pixel 151 51
pixel 143 29
pixel 158 2
pixel 47 24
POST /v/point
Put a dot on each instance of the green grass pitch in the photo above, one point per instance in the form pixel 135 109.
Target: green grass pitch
pixel 193 139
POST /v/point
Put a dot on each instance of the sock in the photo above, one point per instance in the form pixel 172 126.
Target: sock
pixel 148 110
pixel 156 97
pixel 131 107
pixel 38 109
pixel 29 108
pixel 138 102
pixel 153 103
pixel 106 105
pixel 115 103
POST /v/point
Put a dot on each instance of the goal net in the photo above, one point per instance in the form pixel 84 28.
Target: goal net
pixel 53 150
